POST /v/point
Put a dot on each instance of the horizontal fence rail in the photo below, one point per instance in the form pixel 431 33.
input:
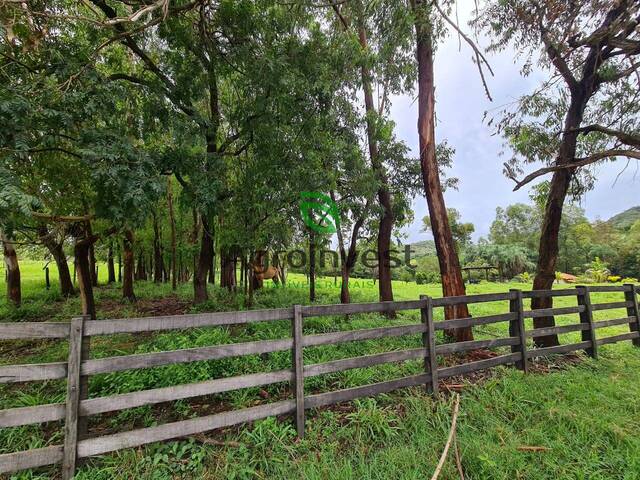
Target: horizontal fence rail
pixel 79 366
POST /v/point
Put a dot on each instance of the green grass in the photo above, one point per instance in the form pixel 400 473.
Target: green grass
pixel 586 413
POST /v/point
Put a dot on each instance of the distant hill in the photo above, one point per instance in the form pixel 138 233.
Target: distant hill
pixel 624 220
pixel 424 248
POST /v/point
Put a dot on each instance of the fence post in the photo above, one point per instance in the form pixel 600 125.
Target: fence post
pixel 73 398
pixel 83 422
pixel 298 368
pixel 586 317
pixel 429 342
pixel 517 329
pixel 631 295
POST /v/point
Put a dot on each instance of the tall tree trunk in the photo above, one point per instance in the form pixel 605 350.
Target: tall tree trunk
pixel 203 265
pixel 57 252
pixel 111 268
pixel 385 228
pixel 128 260
pixel 312 266
pixel 212 267
pixel 14 288
pixel 82 249
pixel 172 223
pixel 227 268
pixel 549 237
pixel 158 266
pixel 92 256
pixel 450 272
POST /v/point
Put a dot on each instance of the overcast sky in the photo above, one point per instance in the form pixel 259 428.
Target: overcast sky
pixel 460 106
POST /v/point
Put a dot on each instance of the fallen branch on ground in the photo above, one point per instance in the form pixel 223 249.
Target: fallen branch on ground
pixel 526 448
pixel 452 433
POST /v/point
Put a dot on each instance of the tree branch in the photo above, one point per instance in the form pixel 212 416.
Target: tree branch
pixel 579 162
pixel 633 140
pixel 480 58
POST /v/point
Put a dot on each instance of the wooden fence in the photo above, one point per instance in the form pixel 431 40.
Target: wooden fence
pixel 80 366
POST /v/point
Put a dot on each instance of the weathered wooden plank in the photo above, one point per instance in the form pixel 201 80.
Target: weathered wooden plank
pixel 354 308
pixel 338 396
pixel 429 342
pixel 33 330
pixel 614 322
pixel 479 365
pixel 363 334
pixel 183 428
pixel 586 318
pixel 473 321
pixel 15 417
pixel 362 362
pixel 619 338
pixel 73 399
pixel 298 368
pixel 540 332
pixel 572 347
pixel 449 348
pixel 179 322
pixel 633 310
pixel 606 288
pixel 83 422
pixel 33 372
pixel 548 312
pixel 39 457
pixel 123 401
pixel 481 298
pixel 610 306
pixel 517 329
pixel 565 292
pixel 155 359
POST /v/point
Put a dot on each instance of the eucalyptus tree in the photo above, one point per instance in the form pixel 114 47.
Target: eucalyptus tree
pixel 428 18
pixel 382 30
pixel 584 113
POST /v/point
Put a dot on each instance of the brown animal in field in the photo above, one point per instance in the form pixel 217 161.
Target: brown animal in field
pixel 260 274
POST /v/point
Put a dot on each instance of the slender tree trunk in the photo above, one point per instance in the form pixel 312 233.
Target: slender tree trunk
pixel 57 252
pixel 227 268
pixel 385 229
pixel 92 256
pixel 157 251
pixel 172 223
pixel 111 268
pixel 450 272
pixel 312 266
pixel 14 289
pixel 128 260
pixel 85 278
pixel 348 259
pixel 204 264
pixel 212 266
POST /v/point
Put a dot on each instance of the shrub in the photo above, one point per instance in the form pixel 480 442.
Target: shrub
pixel 629 280
pixel 613 278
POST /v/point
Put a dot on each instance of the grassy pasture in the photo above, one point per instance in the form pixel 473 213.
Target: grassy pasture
pixel 585 412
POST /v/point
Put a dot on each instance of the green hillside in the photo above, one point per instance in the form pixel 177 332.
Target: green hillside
pixel 624 220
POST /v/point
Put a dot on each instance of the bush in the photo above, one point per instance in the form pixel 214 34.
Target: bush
pixel 629 280
pixel 613 278
pixel 524 277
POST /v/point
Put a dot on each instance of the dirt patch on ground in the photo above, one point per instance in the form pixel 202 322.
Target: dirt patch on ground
pixel 155 307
